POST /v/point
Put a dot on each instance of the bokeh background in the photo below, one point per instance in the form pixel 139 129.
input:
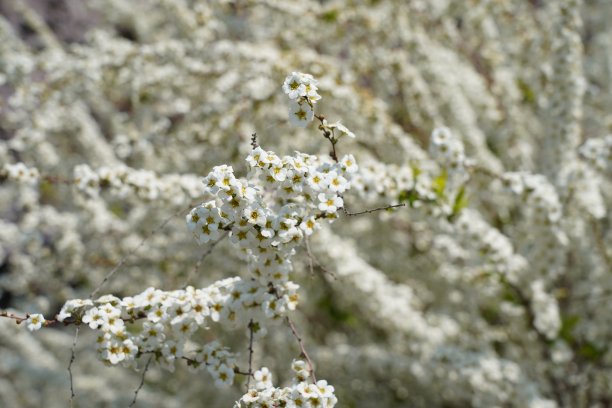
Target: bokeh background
pixel 499 300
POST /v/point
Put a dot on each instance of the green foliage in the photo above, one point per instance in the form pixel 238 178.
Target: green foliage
pixel 568 323
pixel 527 92
pixel 439 184
pixel 330 16
pixel 461 202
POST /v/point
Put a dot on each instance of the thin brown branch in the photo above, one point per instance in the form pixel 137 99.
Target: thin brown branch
pixel 72 358
pixel 304 353
pixel 208 251
pixel 329 136
pixel 372 210
pixel 251 335
pixel 600 244
pixel 142 380
pixel 131 252
pixel 312 262
pixel 191 361
pixel 19 319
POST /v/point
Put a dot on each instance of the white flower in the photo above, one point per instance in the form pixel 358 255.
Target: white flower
pixel 349 164
pixel 309 225
pixel 300 85
pixel 294 86
pixel 329 202
pixel 300 114
pixel 94 318
pixel 71 306
pixel 255 215
pixel 343 130
pixel 263 378
pixel 35 322
pixel 223 375
pixel 337 183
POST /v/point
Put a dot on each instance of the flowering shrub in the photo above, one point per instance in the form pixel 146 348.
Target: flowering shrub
pixel 421 219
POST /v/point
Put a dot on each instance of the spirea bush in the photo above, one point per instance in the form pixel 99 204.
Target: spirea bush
pixel 305 204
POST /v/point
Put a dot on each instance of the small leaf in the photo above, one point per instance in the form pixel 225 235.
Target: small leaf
pixel 528 93
pixel 330 16
pixel 439 184
pixel 461 202
pixel 567 327
pixel 591 352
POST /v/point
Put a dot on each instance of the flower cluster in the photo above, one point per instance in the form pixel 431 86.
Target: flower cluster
pixel 162 323
pixel 299 394
pixel 541 198
pixel 302 92
pixel 598 153
pixel 546 310
pixel 490 245
pixel 122 181
pixel 179 92
pixel 20 173
pixel 447 149
pixel 269 215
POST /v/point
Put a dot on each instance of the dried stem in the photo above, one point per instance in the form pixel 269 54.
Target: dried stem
pixel 329 136
pixel 18 319
pixel 208 251
pixel 302 349
pixel 600 243
pixel 142 380
pixel 312 261
pixel 251 335
pixel 125 258
pixel 72 358
pixel 388 207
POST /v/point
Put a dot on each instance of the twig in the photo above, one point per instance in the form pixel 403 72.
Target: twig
pixel 125 258
pixel 388 207
pixel 312 261
pixel 204 255
pixel 18 319
pixel 72 358
pixel 302 349
pixel 251 334
pixel 329 136
pixel 254 144
pixel 600 244
pixel 142 380
pixel 236 370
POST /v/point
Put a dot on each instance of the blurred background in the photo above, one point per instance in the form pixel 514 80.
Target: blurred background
pixel 399 309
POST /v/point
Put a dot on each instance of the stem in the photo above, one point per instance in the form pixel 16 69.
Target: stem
pixel 251 334
pixel 302 349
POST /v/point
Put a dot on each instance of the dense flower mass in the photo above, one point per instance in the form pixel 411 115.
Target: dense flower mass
pixel 422 218
pixel 267 216
pixel 299 394
pixel 302 92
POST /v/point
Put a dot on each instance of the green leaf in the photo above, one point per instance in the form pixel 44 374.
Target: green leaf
pixel 591 351
pixel 439 184
pixel 330 16
pixel 461 202
pixel 567 327
pixel 529 95
pixel 408 196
